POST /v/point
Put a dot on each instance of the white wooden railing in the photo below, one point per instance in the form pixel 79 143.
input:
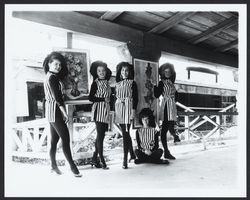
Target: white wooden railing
pixel 33 136
pixel 200 119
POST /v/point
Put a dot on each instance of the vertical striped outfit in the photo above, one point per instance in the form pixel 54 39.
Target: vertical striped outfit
pixel 53 95
pixel 100 89
pixel 168 111
pixel 147 139
pixel 126 100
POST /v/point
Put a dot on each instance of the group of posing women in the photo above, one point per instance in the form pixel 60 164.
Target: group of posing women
pixel 126 100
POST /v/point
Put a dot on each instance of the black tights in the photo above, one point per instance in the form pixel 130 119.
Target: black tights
pixel 101 128
pixel 127 142
pixel 167 126
pixel 58 130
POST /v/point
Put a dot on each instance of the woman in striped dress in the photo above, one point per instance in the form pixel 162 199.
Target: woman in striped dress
pixel 125 105
pixel 168 111
pixel 147 140
pixel 100 96
pixel 56 69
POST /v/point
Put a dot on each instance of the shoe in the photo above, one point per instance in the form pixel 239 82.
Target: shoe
pixel 132 158
pixel 77 175
pixel 161 161
pixel 76 172
pixel 95 161
pixel 104 166
pixel 138 161
pixel 125 165
pixel 176 139
pixel 96 164
pixel 168 155
pixel 56 171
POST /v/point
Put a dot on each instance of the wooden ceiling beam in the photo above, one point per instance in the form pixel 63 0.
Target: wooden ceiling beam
pixel 214 30
pixel 169 23
pixel 76 22
pixel 110 16
pixel 228 46
pixel 189 51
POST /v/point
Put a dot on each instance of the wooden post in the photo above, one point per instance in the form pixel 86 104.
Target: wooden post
pixel 69 109
pixel 69 40
pixel 36 139
pixel 218 121
pixel 47 131
pixel 186 128
pixel 25 139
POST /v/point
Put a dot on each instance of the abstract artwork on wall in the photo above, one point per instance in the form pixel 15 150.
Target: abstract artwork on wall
pixel 146 76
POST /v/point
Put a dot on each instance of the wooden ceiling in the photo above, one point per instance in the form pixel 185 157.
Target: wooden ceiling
pixel 216 31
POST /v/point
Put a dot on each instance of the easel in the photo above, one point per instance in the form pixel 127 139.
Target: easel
pixel 70 111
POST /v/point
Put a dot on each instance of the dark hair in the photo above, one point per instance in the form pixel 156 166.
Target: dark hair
pixel 93 69
pixel 119 69
pixel 56 56
pixel 167 66
pixel 147 112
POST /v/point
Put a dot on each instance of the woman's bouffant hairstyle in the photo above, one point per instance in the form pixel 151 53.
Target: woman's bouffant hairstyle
pixel 56 56
pixel 93 69
pixel 119 69
pixel 166 66
pixel 147 112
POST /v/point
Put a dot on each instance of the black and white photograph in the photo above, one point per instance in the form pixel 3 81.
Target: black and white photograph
pixel 125 100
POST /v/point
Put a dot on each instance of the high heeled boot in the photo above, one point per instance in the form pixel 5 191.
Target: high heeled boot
pixel 103 163
pixel 125 164
pixel 95 161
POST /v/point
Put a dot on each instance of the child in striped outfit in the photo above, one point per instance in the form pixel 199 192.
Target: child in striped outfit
pixel 147 140
pixel 100 96
pixel 168 111
pixel 125 105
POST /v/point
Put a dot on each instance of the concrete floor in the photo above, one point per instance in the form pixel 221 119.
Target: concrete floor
pixel 195 173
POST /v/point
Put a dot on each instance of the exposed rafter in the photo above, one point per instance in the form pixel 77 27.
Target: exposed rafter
pixel 169 23
pixel 110 16
pixel 76 22
pixel 228 46
pixel 214 30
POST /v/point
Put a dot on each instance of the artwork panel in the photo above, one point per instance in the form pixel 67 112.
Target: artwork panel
pixel 76 82
pixel 146 76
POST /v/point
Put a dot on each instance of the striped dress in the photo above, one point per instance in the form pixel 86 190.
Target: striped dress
pixel 147 138
pixel 124 101
pixel 168 111
pixel 53 89
pixel 100 89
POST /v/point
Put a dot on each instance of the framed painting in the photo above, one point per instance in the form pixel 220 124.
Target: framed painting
pixel 76 86
pixel 146 76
